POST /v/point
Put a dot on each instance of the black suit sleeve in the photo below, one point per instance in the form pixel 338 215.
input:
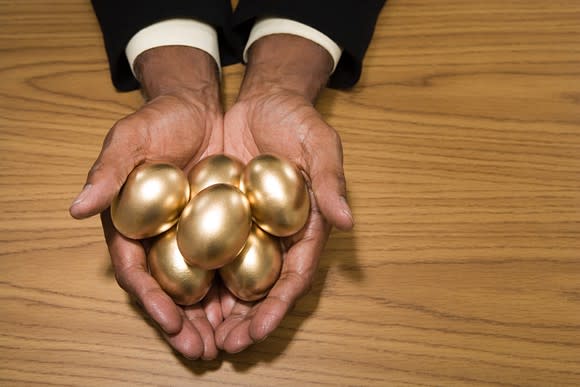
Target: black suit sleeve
pixel 121 19
pixel 350 23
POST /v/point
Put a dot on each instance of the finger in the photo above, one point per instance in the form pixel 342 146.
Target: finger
pixel 328 181
pixel 128 258
pixel 121 152
pixel 187 341
pixel 299 268
pixel 197 317
pixel 240 312
pixel 227 301
pixel 211 306
pixel 238 337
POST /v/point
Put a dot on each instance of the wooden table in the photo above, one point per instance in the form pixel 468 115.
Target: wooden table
pixel 462 153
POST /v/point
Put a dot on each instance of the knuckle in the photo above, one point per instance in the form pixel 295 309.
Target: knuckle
pixel 95 169
pixel 124 274
pixel 118 131
pixel 303 285
pixel 129 135
pixel 340 176
pixel 124 147
pixel 121 279
pixel 341 181
pixel 335 136
pixel 151 293
pixel 306 288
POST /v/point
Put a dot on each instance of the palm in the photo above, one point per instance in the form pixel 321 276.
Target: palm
pixel 265 124
pixel 287 125
pixel 171 128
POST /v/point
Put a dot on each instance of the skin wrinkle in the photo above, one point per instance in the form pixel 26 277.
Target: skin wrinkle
pixel 213 311
pixel 247 141
pixel 279 301
pixel 305 132
pixel 190 115
pixel 190 110
pixel 195 315
pixel 273 114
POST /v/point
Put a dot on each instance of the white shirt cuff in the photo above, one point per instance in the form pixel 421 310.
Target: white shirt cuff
pixel 271 26
pixel 174 32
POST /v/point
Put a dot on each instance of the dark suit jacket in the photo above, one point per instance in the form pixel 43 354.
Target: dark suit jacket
pixel 350 23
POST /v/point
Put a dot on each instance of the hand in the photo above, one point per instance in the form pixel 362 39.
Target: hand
pixel 181 123
pixel 275 114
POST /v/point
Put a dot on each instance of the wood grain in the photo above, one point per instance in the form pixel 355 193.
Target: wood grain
pixel 462 153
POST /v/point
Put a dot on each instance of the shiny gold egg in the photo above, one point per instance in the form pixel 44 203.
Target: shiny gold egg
pixel 186 284
pixel 214 226
pixel 255 270
pixel 215 169
pixel 277 193
pixel 150 201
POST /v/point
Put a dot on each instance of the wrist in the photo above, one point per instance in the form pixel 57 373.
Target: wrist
pixel 284 62
pixel 177 69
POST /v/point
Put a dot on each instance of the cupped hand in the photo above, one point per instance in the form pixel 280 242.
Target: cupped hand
pixel 275 114
pixel 181 123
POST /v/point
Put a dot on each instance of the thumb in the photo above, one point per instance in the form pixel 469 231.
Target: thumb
pixel 117 159
pixel 329 186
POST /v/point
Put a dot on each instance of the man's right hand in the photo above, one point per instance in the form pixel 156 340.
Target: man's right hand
pixel 181 123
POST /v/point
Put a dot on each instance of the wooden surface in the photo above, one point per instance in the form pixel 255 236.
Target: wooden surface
pixel 462 153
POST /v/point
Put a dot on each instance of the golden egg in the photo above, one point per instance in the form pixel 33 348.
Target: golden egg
pixel 215 169
pixel 150 201
pixel 186 284
pixel 214 226
pixel 277 193
pixel 256 269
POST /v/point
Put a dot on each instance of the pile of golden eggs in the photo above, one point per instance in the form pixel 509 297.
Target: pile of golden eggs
pixel 223 217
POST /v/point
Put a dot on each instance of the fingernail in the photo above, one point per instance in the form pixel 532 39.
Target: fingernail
pixel 83 195
pixel 346 209
pixel 349 214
